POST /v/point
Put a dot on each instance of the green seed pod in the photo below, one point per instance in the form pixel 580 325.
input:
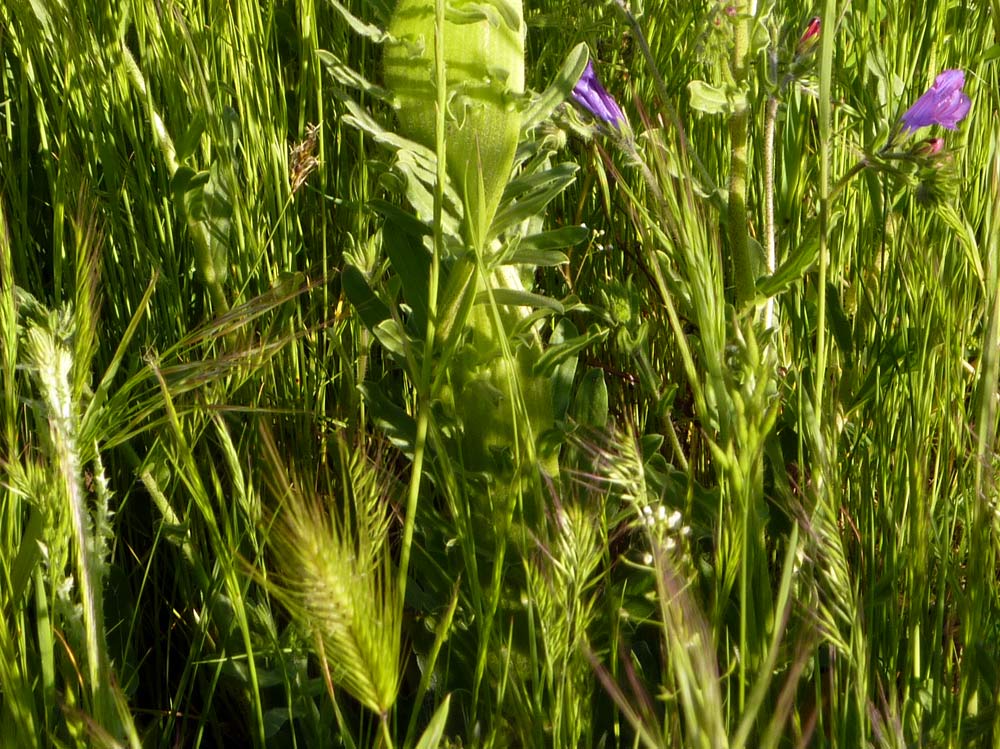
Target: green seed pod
pixel 484 63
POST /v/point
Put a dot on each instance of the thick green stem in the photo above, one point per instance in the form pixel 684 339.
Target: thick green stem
pixel 825 85
pixel 769 229
pixel 424 386
pixel 739 239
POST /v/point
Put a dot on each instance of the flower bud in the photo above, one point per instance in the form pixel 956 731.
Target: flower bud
pixel 810 37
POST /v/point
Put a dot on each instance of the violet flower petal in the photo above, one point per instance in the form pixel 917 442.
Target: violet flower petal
pixel 943 104
pixel 591 95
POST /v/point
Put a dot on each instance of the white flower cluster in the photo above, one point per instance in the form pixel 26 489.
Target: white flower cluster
pixel 596 235
pixel 664 527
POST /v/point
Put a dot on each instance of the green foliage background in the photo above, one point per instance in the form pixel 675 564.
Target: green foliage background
pixel 765 531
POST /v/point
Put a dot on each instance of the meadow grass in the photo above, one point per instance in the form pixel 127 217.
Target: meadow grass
pixel 693 444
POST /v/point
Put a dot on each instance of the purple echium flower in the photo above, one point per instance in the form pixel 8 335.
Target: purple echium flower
pixel 943 104
pixel 591 95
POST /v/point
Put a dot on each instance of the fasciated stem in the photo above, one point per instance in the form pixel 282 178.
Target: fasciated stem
pixel 424 386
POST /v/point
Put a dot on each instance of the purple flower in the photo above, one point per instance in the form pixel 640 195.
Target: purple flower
pixel 590 94
pixel 943 104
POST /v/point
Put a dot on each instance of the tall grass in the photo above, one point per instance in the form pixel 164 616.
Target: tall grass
pixel 739 479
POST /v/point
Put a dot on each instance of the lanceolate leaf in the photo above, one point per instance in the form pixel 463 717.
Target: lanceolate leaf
pixel 526 197
pixel 431 738
pixel 412 263
pixel 372 310
pixel 790 271
pixel 349 77
pixel 366 30
pixel 554 355
pixel 560 89
pixel 555 239
pixel 518 298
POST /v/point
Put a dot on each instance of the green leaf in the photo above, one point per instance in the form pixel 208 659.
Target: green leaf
pixel 565 373
pixel 536 258
pixel 186 185
pixel 189 140
pixel 650 445
pixel 431 737
pixel 710 99
pixel 542 107
pixel 366 30
pixel 373 311
pixel 418 166
pixel 518 298
pixel 411 261
pixel 347 76
pixel 839 324
pixel 218 207
pixel 555 355
pixel 472 13
pixel 966 236
pixel 206 204
pixel 393 338
pixel 29 552
pixel 791 271
pixel 398 425
pixel 510 12
pixel 527 196
pixel 567 236
pixel 592 399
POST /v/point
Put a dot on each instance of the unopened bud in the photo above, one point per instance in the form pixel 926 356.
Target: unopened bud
pixel 810 37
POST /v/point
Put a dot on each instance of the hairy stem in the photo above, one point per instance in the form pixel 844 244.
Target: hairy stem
pixel 739 239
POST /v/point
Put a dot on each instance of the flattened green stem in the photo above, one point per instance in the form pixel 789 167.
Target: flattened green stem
pixel 424 386
pixel 825 78
pixel 739 241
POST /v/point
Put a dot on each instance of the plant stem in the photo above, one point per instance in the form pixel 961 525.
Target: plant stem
pixel 851 173
pixel 424 386
pixel 769 231
pixel 739 239
pixel 825 78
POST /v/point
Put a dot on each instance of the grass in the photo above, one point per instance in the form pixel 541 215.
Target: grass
pixel 297 449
